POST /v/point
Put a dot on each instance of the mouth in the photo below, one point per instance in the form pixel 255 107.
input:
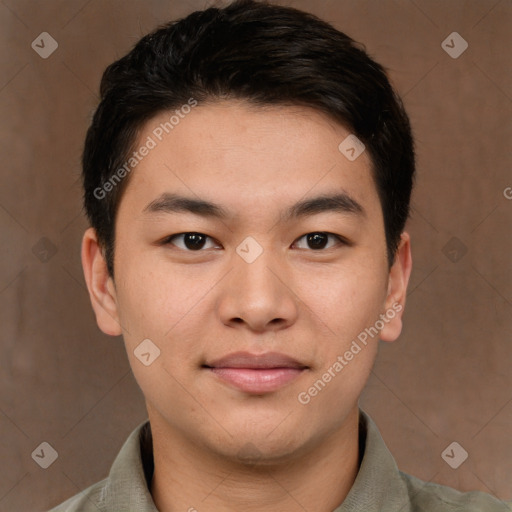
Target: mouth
pixel 256 373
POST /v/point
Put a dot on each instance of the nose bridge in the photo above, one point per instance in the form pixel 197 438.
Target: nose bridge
pixel 254 258
pixel 256 291
pixel 256 271
pixel 258 276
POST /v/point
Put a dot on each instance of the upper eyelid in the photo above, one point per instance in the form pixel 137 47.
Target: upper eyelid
pixel 341 240
pixel 168 239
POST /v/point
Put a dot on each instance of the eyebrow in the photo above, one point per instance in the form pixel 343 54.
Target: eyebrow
pixel 339 202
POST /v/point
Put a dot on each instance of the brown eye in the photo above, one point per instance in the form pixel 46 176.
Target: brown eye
pixel 319 239
pixel 191 241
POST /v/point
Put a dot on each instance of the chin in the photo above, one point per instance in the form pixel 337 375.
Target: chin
pixel 258 449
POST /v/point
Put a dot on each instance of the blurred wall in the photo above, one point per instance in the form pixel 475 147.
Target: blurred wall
pixel 448 378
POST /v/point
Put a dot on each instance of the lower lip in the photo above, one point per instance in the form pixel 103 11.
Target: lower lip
pixel 257 381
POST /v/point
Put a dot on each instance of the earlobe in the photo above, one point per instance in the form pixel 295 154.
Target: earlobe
pixel 397 289
pixel 100 285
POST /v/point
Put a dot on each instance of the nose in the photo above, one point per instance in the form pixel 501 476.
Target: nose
pixel 258 295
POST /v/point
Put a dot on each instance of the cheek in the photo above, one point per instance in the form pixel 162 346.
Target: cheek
pixel 164 307
pixel 345 301
pixel 169 306
pixel 155 297
pixel 348 305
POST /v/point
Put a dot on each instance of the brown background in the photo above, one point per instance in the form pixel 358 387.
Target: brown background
pixel 448 378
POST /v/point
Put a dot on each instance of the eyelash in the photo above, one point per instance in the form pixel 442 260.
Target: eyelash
pixel 168 240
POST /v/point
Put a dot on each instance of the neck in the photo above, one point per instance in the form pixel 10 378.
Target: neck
pixel 191 478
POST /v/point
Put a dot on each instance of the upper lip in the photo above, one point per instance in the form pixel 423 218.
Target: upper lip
pixel 256 361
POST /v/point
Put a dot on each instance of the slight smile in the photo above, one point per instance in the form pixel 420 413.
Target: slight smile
pixel 256 373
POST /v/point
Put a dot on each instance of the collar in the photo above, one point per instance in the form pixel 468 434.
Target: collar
pixel 378 486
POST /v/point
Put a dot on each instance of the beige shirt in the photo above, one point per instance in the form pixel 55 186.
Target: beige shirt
pixel 379 485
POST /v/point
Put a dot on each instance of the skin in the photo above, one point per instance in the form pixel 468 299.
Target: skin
pixel 197 306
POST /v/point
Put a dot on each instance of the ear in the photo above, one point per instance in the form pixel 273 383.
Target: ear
pixel 397 290
pixel 100 285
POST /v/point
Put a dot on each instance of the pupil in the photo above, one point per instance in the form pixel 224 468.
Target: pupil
pixel 194 241
pixel 317 240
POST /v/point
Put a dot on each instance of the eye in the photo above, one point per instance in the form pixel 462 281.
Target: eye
pixel 192 241
pixel 318 240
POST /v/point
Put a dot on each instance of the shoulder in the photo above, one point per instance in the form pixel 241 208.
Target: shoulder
pixel 431 497
pixel 90 500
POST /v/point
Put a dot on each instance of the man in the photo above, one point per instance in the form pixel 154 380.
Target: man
pixel 247 177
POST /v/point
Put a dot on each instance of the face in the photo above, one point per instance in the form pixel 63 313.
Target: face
pixel 258 301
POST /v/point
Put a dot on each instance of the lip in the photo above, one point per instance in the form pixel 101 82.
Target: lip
pixel 256 373
pixel 256 361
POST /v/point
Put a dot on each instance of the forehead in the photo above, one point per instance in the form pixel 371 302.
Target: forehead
pixel 247 157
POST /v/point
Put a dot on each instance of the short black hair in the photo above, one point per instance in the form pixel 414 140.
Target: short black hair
pixel 264 54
